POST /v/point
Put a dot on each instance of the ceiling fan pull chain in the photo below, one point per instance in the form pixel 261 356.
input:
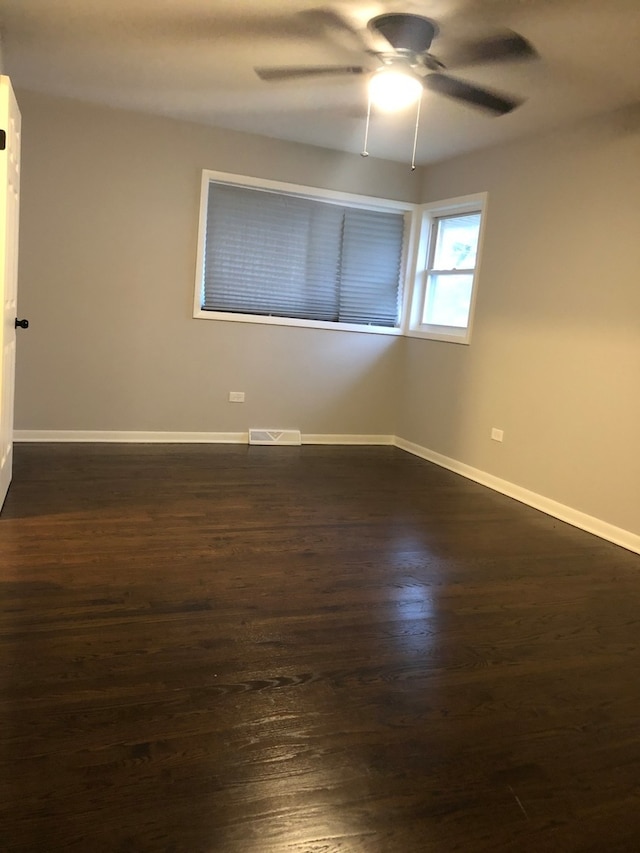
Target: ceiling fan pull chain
pixel 364 152
pixel 415 136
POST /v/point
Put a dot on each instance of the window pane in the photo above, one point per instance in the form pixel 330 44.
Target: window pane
pixel 371 266
pixel 457 242
pixel 271 254
pixel 448 300
pixel 282 255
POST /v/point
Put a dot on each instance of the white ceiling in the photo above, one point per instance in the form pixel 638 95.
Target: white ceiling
pixel 194 59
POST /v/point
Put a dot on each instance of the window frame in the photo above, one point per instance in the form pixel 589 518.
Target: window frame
pixel 426 221
pixel 409 210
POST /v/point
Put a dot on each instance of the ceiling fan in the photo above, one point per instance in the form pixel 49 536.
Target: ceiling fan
pixel 400 43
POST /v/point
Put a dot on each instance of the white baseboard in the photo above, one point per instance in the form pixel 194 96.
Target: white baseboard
pixel 338 438
pixel 600 528
pixel 141 437
pixel 129 437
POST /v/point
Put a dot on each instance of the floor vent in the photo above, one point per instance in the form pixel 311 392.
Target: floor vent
pixel 275 436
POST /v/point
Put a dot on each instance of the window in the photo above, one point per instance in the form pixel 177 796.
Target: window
pixel 278 253
pixel 444 291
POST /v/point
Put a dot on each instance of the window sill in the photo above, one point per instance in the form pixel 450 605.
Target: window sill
pixel 292 321
pixel 452 337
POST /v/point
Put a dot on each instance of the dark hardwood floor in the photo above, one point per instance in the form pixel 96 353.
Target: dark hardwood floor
pixel 230 649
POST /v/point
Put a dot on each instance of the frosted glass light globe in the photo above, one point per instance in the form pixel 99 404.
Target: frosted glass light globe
pixel 392 90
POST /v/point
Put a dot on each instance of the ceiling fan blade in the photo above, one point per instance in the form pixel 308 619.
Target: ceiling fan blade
pixel 293 72
pixel 468 94
pixel 505 47
pixel 336 21
pixel 175 24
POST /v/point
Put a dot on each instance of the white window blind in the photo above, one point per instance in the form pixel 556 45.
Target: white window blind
pixel 283 255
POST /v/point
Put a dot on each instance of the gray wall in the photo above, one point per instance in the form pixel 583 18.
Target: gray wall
pixel 109 223
pixel 554 359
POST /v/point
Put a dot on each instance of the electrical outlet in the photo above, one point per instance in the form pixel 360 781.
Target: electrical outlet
pixel 236 396
pixel 497 434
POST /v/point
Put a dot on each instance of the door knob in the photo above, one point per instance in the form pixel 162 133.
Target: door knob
pixel 22 324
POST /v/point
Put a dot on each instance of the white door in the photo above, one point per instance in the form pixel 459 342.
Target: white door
pixel 9 213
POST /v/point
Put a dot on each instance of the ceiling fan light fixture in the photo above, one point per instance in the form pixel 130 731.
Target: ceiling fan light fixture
pixel 394 89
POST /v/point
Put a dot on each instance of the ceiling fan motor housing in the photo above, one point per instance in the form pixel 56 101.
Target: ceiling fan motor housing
pixel 405 32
